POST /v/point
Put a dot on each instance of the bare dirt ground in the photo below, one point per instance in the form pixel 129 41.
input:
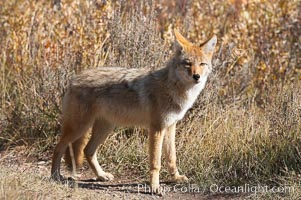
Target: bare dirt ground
pixel 27 177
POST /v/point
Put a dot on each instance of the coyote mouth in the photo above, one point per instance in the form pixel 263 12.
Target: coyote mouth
pixel 197 81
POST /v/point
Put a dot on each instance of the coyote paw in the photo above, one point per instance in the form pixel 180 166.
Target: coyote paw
pixel 70 181
pixel 105 177
pixel 179 179
pixel 156 189
pixel 57 177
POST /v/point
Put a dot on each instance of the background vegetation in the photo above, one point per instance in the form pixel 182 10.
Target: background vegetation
pixel 246 125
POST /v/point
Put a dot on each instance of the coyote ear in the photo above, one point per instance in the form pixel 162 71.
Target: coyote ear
pixel 181 40
pixel 209 45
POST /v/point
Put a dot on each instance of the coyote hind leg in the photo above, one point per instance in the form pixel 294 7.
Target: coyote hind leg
pixel 100 132
pixel 70 134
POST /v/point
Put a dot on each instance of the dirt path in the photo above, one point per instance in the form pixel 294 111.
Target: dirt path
pixel 25 178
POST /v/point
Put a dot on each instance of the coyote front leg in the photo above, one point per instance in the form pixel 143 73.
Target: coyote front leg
pixel 155 151
pixel 170 154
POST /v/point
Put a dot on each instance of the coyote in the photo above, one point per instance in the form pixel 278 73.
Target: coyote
pixel 107 97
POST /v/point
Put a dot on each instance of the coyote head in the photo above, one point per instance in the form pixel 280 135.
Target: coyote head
pixel 193 61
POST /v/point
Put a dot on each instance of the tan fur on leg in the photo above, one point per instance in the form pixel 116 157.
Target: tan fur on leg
pixel 170 154
pixel 155 151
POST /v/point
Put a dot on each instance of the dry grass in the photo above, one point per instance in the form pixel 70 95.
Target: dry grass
pixel 30 184
pixel 245 127
pixel 13 185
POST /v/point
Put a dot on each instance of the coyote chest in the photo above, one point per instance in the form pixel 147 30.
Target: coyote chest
pixel 184 103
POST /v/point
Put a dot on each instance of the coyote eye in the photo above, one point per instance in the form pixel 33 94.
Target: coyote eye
pixel 203 64
pixel 186 62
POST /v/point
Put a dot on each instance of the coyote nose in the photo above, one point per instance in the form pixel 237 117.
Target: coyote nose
pixel 196 77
